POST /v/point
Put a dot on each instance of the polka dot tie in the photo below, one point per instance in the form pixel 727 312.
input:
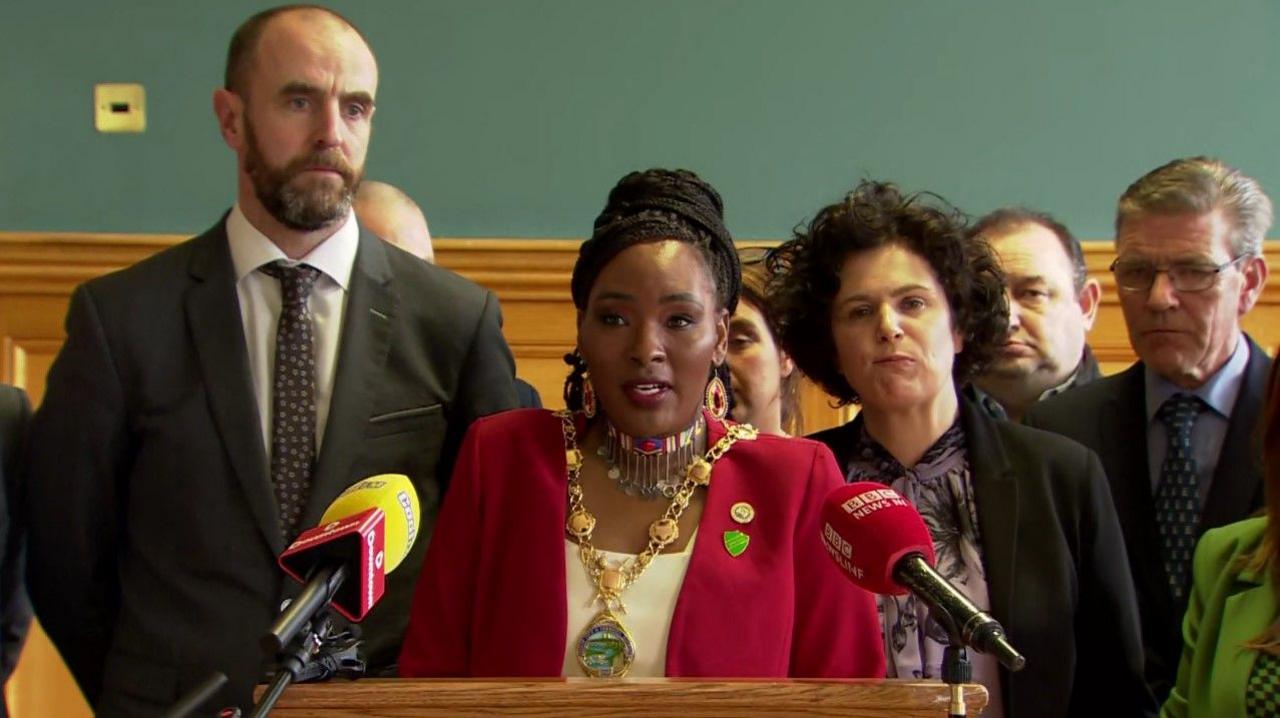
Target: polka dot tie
pixel 293 396
pixel 1178 495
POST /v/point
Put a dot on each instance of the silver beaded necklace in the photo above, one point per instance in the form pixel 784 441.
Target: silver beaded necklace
pixel 649 467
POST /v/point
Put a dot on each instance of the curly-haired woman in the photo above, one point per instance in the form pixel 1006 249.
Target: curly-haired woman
pixel 885 301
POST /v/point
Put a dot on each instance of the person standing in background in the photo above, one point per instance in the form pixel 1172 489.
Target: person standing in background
pixel 1175 431
pixel 392 215
pixel 1052 306
pixel 766 385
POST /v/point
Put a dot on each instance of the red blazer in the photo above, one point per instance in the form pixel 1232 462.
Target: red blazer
pixel 491 597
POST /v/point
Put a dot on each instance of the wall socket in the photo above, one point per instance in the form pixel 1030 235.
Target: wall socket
pixel 119 107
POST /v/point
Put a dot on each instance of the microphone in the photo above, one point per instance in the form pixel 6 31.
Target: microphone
pixel 881 543
pixel 363 535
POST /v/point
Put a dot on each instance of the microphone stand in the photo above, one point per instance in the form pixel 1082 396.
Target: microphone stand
pixel 291 664
pixel 956 671
pixel 956 668
pixel 196 697
pixel 303 641
pixel 317 655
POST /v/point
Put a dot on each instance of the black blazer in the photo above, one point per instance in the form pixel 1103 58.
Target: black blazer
pixel 15 610
pixel 1056 568
pixel 527 396
pixel 1109 416
pixel 153 523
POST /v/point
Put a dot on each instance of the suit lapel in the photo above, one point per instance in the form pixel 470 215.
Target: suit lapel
pixel 1250 611
pixel 1236 489
pixel 996 491
pixel 362 355
pixel 213 316
pixel 1122 430
pixel 1123 439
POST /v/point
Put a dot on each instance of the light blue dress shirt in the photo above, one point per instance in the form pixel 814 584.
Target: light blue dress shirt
pixel 1219 392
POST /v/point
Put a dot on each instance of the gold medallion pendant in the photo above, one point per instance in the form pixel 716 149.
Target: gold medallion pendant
pixel 605 647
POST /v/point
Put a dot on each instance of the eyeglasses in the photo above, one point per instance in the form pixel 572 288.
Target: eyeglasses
pixel 1138 276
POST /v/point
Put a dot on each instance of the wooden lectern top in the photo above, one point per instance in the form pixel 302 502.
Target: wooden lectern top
pixel 629 697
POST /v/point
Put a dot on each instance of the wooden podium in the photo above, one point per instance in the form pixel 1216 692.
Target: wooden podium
pixel 627 697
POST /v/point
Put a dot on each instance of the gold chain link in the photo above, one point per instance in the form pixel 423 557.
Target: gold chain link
pixel 631 569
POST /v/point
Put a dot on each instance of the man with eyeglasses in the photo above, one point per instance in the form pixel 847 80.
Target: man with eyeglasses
pixel 1175 431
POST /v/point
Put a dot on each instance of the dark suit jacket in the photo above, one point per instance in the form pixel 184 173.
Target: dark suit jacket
pixel 1086 371
pixel 1109 416
pixel 526 396
pixel 15 610
pixel 154 528
pixel 1057 573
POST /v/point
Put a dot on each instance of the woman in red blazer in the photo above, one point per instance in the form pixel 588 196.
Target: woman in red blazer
pixel 643 534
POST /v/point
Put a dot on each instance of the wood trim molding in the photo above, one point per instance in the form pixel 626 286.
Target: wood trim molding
pixel 55 262
pixel 530 276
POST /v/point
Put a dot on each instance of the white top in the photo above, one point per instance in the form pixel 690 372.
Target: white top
pixel 650 601
pixel 259 295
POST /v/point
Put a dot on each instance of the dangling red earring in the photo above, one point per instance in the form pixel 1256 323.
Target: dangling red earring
pixel 588 396
pixel 717 398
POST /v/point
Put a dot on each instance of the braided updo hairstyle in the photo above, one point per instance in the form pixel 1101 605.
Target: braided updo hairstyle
pixel 653 206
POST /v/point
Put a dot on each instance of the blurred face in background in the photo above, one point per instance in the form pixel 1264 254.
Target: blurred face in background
pixel 758 367
pixel 892 328
pixel 650 334
pixel 1048 319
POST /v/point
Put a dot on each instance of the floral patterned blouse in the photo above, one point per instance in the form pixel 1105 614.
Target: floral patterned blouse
pixel 941 489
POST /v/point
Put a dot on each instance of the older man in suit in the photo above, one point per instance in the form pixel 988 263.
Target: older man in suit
pixel 211 401
pixel 1175 432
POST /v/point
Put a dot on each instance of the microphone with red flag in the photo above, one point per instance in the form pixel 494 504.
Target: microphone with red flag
pixel 881 543
pixel 363 535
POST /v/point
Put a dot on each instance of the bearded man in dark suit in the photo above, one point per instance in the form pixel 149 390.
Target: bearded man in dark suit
pixel 1175 432
pixel 211 401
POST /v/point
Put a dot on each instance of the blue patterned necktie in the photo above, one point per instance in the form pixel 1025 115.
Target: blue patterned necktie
pixel 1178 495
pixel 293 395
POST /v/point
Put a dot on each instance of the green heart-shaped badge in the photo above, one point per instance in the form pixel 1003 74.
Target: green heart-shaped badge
pixel 735 542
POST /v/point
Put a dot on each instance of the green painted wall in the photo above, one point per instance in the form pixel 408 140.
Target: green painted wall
pixel 513 118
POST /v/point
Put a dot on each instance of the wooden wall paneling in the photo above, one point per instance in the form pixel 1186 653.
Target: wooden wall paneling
pixel 30 337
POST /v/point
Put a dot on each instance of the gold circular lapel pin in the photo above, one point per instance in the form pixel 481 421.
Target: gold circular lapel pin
pixel 743 512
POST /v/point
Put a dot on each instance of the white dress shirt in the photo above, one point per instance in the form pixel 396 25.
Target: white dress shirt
pixel 259 295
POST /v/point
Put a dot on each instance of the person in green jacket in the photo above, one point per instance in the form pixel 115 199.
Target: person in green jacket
pixel 1231 634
